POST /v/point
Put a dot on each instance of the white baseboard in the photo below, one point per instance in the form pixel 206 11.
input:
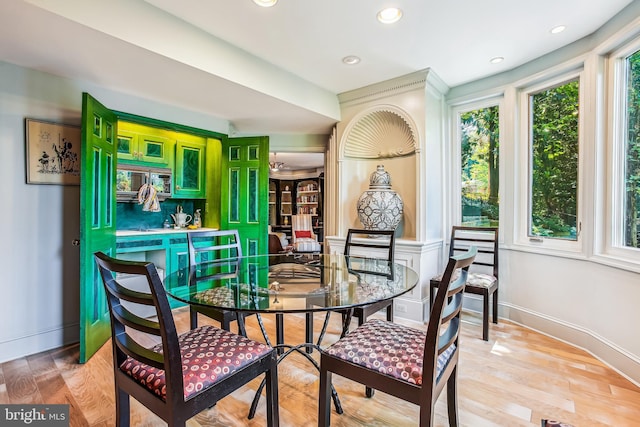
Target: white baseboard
pixel 625 363
pixel 39 342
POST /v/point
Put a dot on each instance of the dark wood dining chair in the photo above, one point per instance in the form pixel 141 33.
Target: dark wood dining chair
pixel 401 361
pixel 209 246
pixel 483 276
pixel 378 239
pixel 181 375
pixel 383 239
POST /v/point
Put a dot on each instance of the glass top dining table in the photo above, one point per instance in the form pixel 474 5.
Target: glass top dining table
pixel 290 283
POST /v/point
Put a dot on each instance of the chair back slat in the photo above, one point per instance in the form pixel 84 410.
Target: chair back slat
pixel 485 239
pixel 132 349
pixel 480 249
pixel 213 254
pixel 450 336
pixel 445 314
pixel 213 245
pixel 386 241
pixel 128 294
pixel 378 239
pixel 472 240
pixel 129 319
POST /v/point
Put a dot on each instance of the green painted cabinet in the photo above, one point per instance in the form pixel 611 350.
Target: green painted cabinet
pixel 189 169
pixel 179 258
pixel 144 148
pixel 168 251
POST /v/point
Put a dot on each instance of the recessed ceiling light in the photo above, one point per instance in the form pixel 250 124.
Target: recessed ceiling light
pixel 351 60
pixel 496 59
pixel 389 15
pixel 265 3
pixel 558 29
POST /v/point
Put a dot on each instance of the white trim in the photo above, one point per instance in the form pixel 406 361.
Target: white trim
pixel 619 359
pixel 454 158
pixel 614 356
pixel 610 227
pixel 522 221
pixel 39 341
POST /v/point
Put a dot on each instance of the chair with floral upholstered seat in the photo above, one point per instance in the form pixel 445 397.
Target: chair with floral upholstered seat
pixel 377 240
pixel 483 276
pixel 182 375
pixel 402 361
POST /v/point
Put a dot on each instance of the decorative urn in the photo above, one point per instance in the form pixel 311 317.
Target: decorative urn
pixel 379 207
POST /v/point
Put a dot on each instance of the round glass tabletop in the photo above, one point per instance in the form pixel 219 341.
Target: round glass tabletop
pixel 290 283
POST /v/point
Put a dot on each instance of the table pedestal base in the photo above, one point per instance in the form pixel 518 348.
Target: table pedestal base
pixel 285 350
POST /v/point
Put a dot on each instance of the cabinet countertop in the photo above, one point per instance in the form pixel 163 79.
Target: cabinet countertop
pixel 152 231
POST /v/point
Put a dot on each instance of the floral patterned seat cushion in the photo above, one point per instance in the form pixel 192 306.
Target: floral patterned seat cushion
pixel 217 296
pixel 388 348
pixel 209 354
pixel 474 279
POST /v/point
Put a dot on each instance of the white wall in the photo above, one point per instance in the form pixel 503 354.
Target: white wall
pixel 585 303
pixel 39 266
pixel 580 297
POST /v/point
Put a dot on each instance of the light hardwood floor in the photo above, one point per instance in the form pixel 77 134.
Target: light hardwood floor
pixel 515 379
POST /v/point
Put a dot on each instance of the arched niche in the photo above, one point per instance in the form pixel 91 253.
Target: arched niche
pixel 386 135
pixel 380 134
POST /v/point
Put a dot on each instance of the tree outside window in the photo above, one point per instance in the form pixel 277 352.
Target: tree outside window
pixel 632 151
pixel 479 131
pixel 554 162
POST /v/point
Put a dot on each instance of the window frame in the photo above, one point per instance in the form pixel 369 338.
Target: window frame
pixel 524 167
pixel 612 227
pixel 455 194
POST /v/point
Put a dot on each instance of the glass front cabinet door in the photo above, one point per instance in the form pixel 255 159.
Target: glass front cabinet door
pixel 189 169
pixel 140 148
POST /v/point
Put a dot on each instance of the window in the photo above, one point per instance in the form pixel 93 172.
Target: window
pixel 554 142
pixel 632 151
pixel 479 154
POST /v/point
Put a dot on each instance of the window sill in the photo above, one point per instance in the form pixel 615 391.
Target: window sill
pixel 615 261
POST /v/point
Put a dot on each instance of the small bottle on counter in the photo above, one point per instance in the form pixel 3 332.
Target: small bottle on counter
pixel 166 224
pixel 197 219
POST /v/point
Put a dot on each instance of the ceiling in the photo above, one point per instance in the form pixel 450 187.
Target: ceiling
pixel 298 161
pixel 278 70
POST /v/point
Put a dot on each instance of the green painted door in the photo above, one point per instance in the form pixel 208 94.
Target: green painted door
pixel 245 191
pixel 97 219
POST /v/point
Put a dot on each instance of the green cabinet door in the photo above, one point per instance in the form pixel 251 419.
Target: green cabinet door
pixel 245 191
pixel 178 261
pixel 97 219
pixel 144 145
pixel 189 169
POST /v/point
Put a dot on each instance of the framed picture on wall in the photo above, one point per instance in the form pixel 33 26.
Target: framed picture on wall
pixel 53 153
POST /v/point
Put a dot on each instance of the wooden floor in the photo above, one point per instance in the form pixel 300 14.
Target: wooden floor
pixel 515 379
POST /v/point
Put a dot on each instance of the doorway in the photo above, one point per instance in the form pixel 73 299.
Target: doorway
pixel 296 186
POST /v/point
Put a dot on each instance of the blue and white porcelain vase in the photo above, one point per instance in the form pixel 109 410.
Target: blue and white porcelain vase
pixel 379 207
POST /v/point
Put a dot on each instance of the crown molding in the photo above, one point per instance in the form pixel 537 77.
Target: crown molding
pixel 398 85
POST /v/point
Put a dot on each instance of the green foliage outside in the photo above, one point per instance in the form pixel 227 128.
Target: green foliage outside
pixel 632 166
pixel 554 177
pixel 480 173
